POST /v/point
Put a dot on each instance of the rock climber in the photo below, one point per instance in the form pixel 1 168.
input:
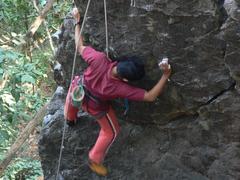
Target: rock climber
pixel 105 80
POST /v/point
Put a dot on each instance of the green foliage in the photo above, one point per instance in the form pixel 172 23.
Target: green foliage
pixel 6 135
pixel 18 101
pixel 15 11
pixel 21 76
pixel 60 9
pixel 27 169
pixel 18 15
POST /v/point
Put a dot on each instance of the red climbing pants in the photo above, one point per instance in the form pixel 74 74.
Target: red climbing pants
pixel 108 124
pixel 108 133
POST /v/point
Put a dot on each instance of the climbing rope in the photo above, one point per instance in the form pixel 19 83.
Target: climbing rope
pixel 73 67
pixel 106 26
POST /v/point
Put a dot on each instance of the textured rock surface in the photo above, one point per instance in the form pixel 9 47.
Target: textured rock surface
pixel 192 130
pixel 231 32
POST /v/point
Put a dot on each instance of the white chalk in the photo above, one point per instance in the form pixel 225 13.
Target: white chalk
pixel 164 62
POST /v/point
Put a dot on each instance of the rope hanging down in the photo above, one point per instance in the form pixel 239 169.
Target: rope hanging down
pixel 106 26
pixel 73 67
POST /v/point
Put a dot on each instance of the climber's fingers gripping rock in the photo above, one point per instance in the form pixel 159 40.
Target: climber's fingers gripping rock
pixel 165 67
pixel 76 14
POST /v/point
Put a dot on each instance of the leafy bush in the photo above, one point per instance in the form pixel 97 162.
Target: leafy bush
pixel 22 75
pixel 17 96
pixel 18 100
pixel 25 169
pixel 14 11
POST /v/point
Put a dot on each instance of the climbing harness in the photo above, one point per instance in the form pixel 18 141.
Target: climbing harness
pixel 97 101
pixel 73 67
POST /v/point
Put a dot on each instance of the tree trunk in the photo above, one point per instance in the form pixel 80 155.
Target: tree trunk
pixel 46 26
pixel 22 138
pixel 38 21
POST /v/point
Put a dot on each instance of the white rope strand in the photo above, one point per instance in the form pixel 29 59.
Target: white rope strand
pixel 73 67
pixel 106 26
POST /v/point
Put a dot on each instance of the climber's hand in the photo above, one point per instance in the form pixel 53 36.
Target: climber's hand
pixel 166 69
pixel 76 14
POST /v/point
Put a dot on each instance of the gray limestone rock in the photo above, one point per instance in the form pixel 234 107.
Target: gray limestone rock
pixel 192 130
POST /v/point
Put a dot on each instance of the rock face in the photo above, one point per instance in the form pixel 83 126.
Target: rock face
pixel 192 130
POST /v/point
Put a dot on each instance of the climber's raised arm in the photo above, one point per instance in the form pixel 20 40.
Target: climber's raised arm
pixel 152 94
pixel 78 36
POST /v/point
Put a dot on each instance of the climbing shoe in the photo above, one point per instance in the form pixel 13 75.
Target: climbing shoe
pixel 98 168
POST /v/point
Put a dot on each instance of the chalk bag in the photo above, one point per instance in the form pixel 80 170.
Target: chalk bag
pixel 77 95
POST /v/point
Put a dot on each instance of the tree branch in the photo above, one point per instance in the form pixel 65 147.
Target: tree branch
pixel 38 21
pixel 46 27
pixel 22 138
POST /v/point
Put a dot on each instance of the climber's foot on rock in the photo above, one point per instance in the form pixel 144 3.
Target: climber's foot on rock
pixel 99 169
